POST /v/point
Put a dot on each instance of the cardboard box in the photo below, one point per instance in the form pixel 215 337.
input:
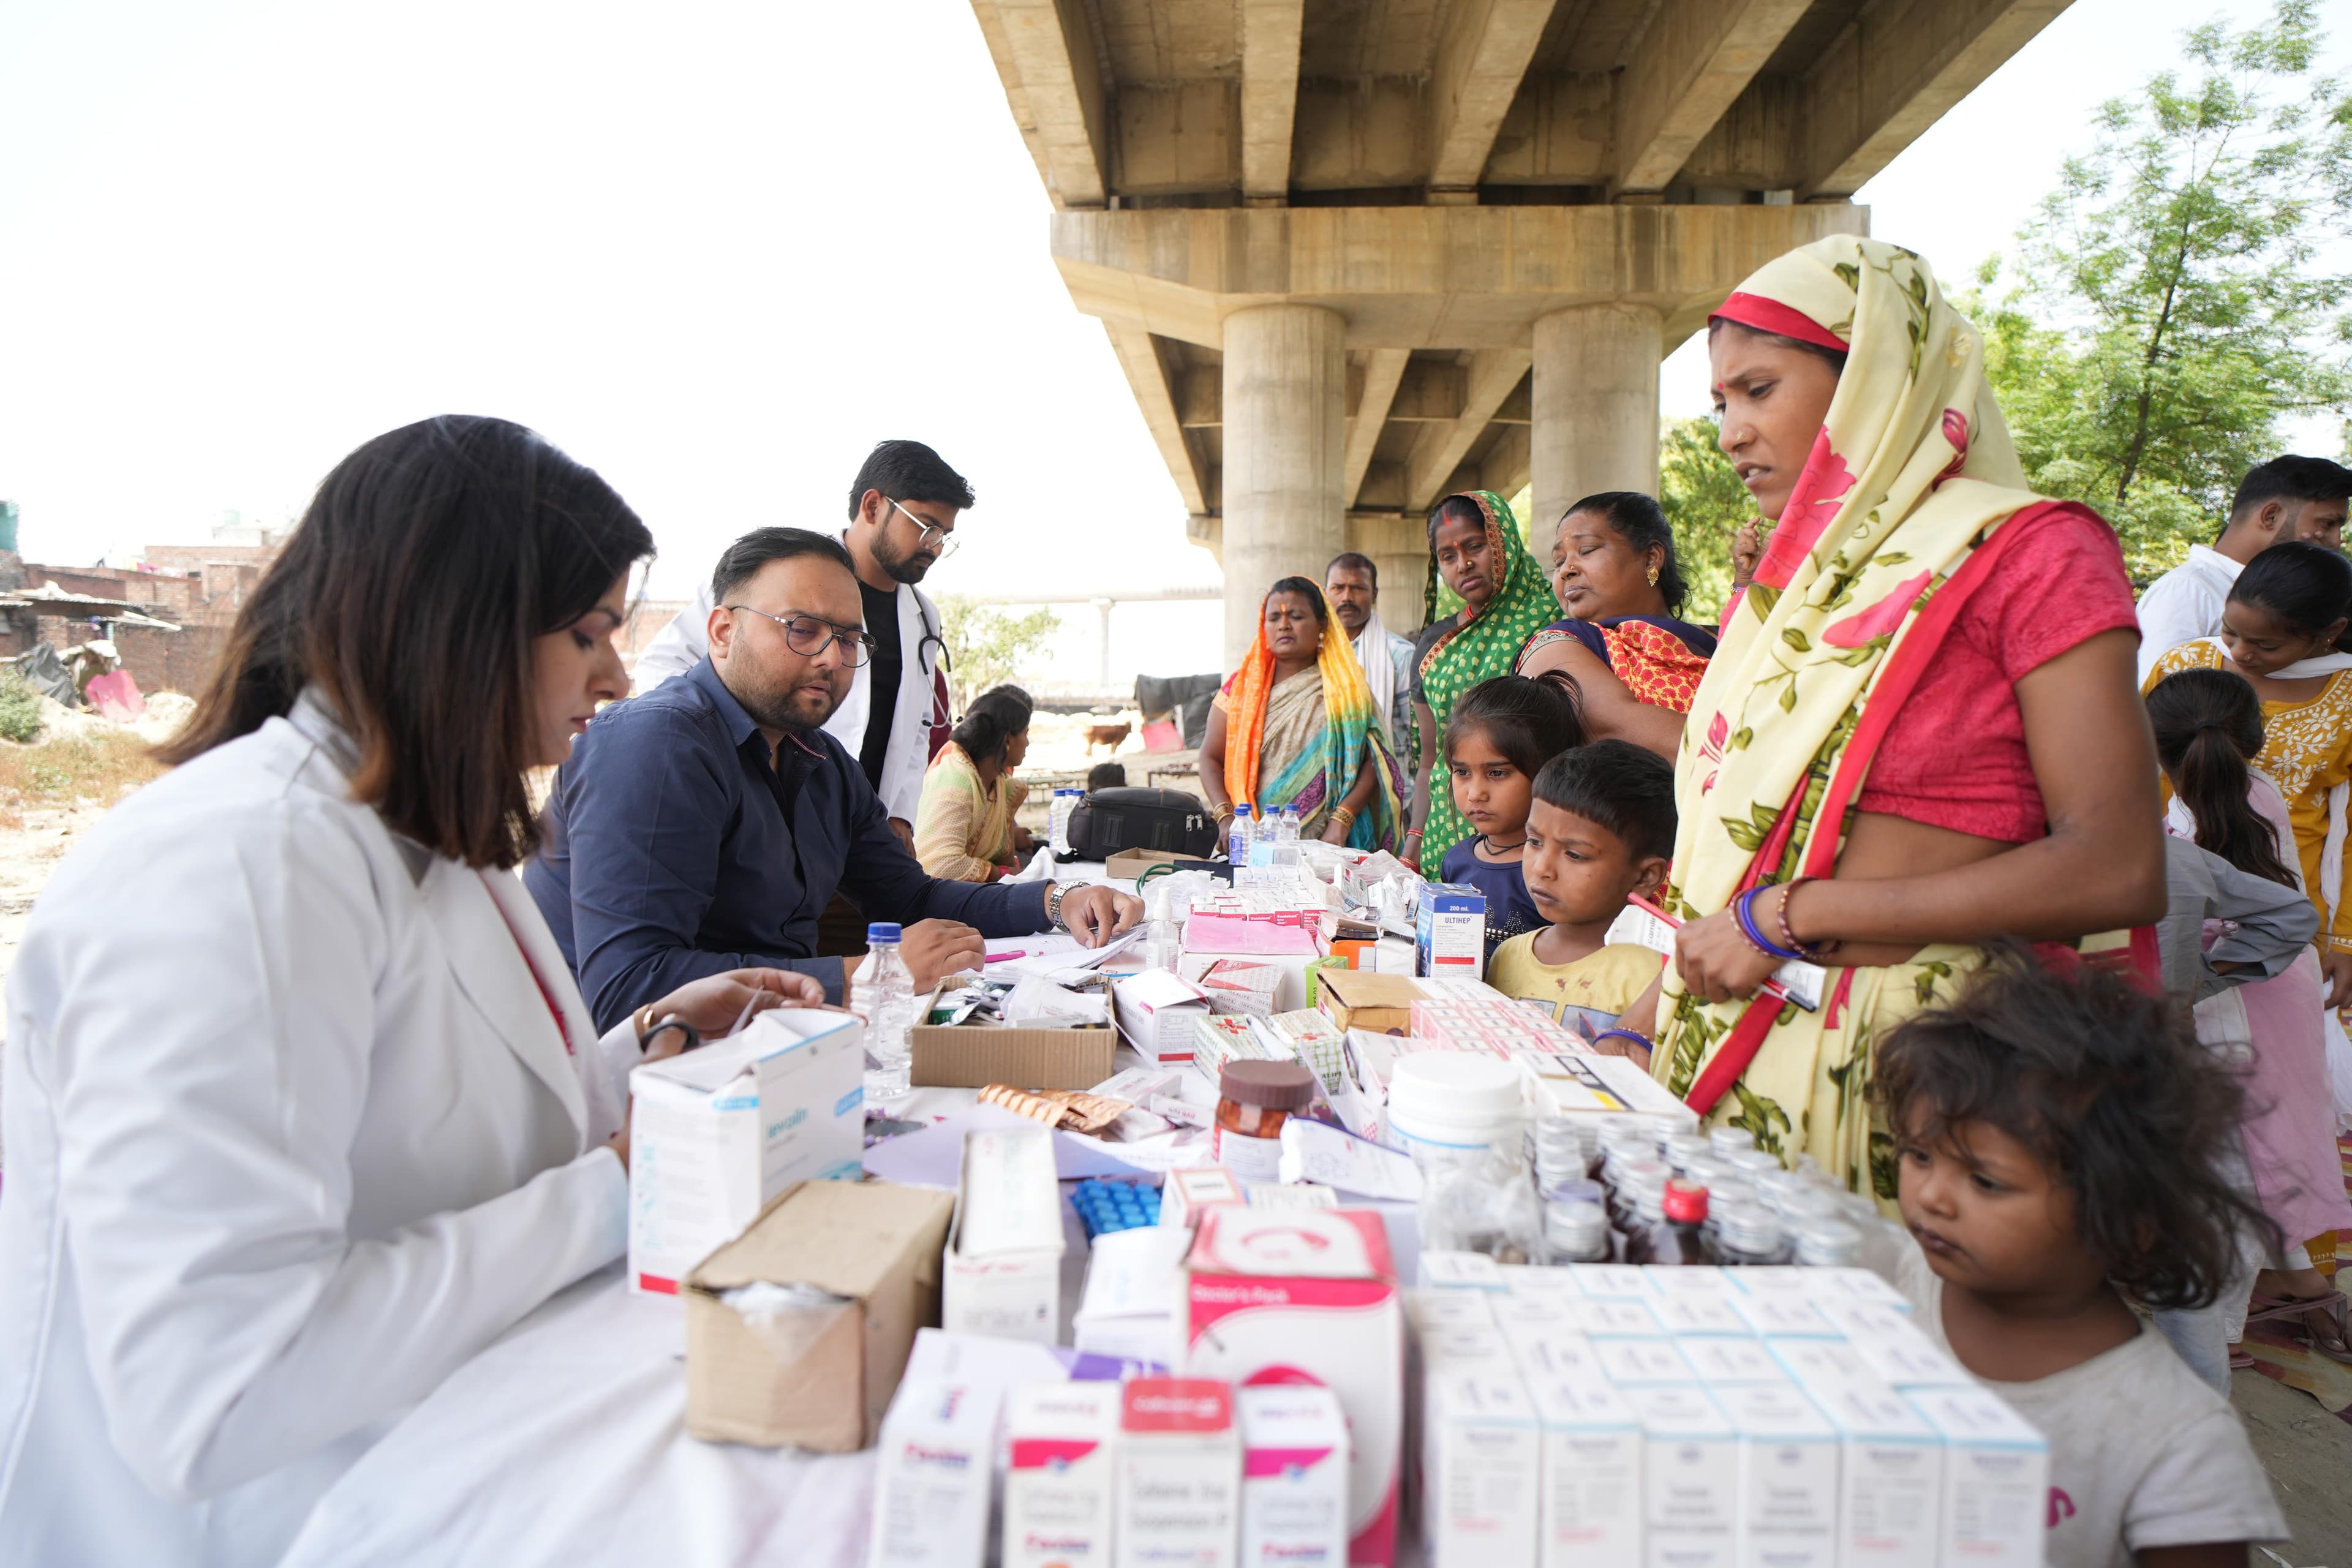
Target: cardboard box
pixel 1158 1012
pixel 1568 1083
pixel 1996 1478
pixel 1355 999
pixel 1004 1274
pixel 1449 930
pixel 1482 1469
pixel 1310 1296
pixel 1061 1484
pixel 716 1134
pixel 1788 1476
pixel 1294 1476
pixel 1129 864
pixel 1180 1466
pixel 932 1481
pixel 872 1242
pixel 974 1055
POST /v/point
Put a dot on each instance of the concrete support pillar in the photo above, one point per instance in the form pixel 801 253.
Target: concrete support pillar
pixel 1595 408
pixel 1285 395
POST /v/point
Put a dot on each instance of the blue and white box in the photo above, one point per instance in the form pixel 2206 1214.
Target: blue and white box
pixel 1449 930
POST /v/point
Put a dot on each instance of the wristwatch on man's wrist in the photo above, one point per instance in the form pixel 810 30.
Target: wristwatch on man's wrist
pixel 1054 892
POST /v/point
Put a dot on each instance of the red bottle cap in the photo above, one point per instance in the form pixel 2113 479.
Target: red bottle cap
pixel 1684 1203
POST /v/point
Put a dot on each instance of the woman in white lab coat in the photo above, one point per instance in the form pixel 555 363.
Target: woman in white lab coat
pixel 302 1107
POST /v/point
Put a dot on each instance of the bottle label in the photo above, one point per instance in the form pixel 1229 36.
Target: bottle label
pixel 1249 1159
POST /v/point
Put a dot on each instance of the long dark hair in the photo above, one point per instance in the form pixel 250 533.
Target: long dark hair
pixel 409 596
pixel 995 716
pixel 1529 719
pixel 2107 1084
pixel 1640 522
pixel 2307 586
pixel 2209 726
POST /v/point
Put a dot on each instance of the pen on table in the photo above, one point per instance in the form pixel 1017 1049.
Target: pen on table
pixel 1001 957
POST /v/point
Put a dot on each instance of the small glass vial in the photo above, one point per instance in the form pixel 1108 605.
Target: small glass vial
pixel 1675 1233
pixel 1254 1100
pixel 1829 1244
pixel 1683 1148
pixel 1748 1234
pixel 1575 1231
pixel 1754 1163
pixel 1729 1141
pixel 1640 1183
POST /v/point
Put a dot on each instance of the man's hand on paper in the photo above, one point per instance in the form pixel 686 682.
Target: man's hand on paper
pixel 713 1004
pixel 1096 913
pixel 934 949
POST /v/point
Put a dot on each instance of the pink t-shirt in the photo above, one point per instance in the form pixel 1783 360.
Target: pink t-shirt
pixel 1955 757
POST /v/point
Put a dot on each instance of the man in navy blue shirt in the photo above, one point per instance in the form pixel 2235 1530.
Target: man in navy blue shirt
pixel 702 827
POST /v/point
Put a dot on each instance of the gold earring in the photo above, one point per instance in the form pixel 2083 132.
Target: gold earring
pixel 1654 576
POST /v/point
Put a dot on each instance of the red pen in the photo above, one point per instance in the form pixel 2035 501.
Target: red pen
pixel 1771 988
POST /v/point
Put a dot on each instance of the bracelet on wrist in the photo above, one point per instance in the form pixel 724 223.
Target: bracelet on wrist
pixel 1642 1040
pixel 1743 911
pixel 1811 952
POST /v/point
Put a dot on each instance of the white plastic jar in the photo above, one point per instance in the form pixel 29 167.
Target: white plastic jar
pixel 1454 1105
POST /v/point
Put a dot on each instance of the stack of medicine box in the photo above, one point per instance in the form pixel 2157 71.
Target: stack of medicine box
pixel 1499 1027
pixel 1605 1413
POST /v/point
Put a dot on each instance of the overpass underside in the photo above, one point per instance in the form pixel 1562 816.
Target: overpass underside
pixel 1355 255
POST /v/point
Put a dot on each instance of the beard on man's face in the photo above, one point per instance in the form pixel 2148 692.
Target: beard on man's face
pixel 906 566
pixel 777 700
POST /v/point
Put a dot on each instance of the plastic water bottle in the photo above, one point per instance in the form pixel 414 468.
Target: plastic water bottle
pixel 1286 837
pixel 1065 802
pixel 883 993
pixel 1239 836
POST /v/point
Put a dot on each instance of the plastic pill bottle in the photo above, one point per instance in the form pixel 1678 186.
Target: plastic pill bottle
pixel 1254 1100
pixel 1455 1105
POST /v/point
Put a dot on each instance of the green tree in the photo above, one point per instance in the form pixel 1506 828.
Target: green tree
pixel 2172 303
pixel 987 647
pixel 1704 502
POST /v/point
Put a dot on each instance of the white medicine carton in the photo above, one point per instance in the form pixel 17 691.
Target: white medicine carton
pixel 1159 1013
pixel 1613 1281
pixel 1789 1457
pixel 1589 1515
pixel 716 1134
pixel 1699 1312
pixel 1608 1317
pixel 1004 1271
pixel 1428 1309
pixel 1690 1477
pixel 1721 1359
pixel 1180 1465
pixel 1461 1271
pixel 1996 1478
pixel 933 1472
pixel 1062 1441
pixel 1891 1481
pixel 1481 1467
pixel 1627 1363
pixel 1892 1347
pixel 1294 1476
pixel 1818 1284
pixel 1542 1280
pixel 1782 1314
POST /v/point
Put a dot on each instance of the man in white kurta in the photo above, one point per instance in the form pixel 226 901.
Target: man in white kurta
pixel 2286 498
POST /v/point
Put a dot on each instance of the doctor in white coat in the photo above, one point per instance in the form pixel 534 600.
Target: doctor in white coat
pixel 302 1107
pixel 903 507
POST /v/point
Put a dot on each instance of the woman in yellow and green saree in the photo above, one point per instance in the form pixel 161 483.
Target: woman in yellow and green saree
pixel 1920 729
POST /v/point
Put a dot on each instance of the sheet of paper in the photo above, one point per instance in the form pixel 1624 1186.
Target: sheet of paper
pixel 934 1157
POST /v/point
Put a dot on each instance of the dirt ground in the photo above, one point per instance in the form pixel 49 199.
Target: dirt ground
pixel 2308 1454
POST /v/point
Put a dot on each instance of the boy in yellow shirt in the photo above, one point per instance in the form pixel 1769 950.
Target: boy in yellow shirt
pixel 1600 829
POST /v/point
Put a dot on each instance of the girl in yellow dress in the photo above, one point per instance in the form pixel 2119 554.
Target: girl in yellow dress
pixel 2279 630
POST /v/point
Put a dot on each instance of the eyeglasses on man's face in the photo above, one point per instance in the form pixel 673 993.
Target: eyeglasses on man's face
pixel 809 636
pixel 933 534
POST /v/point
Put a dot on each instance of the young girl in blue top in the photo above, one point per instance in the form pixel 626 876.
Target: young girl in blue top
pixel 1498 737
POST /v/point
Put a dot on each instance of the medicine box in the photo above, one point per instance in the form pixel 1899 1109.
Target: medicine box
pixel 1004 1271
pixel 1180 1463
pixel 716 1134
pixel 1690 1476
pixel 1996 1478
pixel 1589 1513
pixel 1061 1439
pixel 1891 1481
pixel 1309 1297
pixel 1159 1012
pixel 1788 1507
pixel 1481 1467
pixel 1565 1083
pixel 1185 1195
pixel 935 1466
pixel 1449 930
pixel 1892 1347
pixel 1443 1270
pixel 1294 1476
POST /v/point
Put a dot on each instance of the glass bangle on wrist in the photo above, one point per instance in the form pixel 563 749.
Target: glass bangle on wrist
pixel 1811 952
pixel 1642 1040
pixel 1743 910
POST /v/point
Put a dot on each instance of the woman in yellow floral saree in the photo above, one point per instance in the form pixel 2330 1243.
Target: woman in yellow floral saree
pixel 1921 728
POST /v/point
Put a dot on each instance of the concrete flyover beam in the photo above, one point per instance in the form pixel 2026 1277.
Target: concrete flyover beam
pixel 1155 388
pixel 1285 391
pixel 1045 55
pixel 1434 277
pixel 1893 72
pixel 1439 448
pixel 1482 56
pixel 1693 61
pixel 1269 96
pixel 1595 424
pixel 1384 373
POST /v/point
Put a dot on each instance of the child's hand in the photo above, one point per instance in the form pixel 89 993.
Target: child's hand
pixel 1718 962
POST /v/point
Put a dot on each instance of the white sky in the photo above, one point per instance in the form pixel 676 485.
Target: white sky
pixel 714 249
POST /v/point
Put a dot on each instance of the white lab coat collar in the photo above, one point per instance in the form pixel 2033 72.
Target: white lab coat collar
pixel 497 942
pixel 910 751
